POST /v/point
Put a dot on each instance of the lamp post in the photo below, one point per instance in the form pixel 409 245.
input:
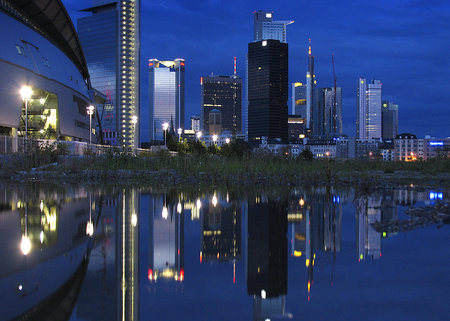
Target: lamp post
pixel 90 111
pixel 180 131
pixel 214 139
pixel 165 127
pixel 26 93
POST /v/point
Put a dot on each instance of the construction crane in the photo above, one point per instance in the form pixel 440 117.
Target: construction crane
pixel 334 96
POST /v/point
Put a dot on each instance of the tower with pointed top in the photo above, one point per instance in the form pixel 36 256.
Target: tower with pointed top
pixel 312 112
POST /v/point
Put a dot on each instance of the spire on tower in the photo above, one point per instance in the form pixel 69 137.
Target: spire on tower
pixel 309 50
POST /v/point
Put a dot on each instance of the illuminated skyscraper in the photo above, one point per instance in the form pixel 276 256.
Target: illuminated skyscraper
pixel 267 90
pixel 115 64
pixel 332 113
pixel 264 28
pixel 166 95
pixel 224 94
pixel 313 115
pixel 299 99
pixel 368 109
pixel 389 114
pixel 99 37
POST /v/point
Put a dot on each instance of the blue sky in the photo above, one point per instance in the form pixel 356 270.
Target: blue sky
pixel 404 43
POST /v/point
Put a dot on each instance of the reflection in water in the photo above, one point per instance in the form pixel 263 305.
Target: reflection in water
pixel 139 249
pixel 43 236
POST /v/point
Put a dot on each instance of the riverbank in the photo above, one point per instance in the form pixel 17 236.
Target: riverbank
pixel 214 170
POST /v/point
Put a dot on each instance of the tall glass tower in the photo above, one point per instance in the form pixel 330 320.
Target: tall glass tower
pixel 111 42
pixel 368 109
pixel 166 95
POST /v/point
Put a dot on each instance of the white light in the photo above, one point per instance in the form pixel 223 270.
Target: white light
pixel 165 126
pixel 180 130
pixel 134 219
pixel 264 43
pixel 199 204
pixel 268 15
pixel 26 92
pixel 199 134
pixel 90 228
pixel 20 287
pixel 42 101
pixel 25 245
pixel 179 208
pixel 165 213
pixel 227 140
pixel 263 294
pixel 214 138
pixel 134 120
pixel 214 200
pixel 41 206
pixel 90 110
pixel 41 236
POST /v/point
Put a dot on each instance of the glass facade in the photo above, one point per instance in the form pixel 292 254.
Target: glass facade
pixel 98 34
pixel 368 109
pixel 166 95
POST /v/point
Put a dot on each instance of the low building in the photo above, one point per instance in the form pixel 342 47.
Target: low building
pixel 406 147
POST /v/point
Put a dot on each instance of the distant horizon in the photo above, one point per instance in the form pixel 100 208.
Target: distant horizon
pixel 402 44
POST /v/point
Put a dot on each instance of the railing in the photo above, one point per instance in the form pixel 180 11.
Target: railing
pixel 11 145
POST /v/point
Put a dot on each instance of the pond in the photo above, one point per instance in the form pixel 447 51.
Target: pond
pixel 110 253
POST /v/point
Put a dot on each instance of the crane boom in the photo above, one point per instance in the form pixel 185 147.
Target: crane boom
pixel 334 116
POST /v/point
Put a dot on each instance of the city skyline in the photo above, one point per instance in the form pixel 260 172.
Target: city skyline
pixel 362 48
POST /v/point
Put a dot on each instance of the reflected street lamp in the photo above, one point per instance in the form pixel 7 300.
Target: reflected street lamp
pixel 134 120
pixel 165 127
pixel 90 111
pixel 26 93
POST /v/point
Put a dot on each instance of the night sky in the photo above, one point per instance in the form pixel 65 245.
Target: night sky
pixel 404 43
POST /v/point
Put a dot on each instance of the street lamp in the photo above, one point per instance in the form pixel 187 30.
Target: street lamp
pixel 214 139
pixel 165 127
pixel 90 111
pixel 180 131
pixel 199 135
pixel 227 140
pixel 26 93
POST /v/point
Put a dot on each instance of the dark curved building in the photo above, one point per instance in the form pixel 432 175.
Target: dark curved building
pixel 41 50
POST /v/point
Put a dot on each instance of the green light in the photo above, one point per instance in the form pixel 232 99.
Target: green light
pixel 361 256
pixel 384 234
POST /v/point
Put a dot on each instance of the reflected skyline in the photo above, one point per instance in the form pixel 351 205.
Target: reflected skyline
pixel 147 253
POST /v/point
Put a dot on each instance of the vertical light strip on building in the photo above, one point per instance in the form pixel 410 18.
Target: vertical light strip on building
pixel 129 56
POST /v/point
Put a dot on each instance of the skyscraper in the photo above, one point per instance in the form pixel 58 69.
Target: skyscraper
pixel 99 37
pixel 222 93
pixel 264 28
pixel 114 65
pixel 166 96
pixel 332 116
pixel 267 90
pixel 389 114
pixel 368 109
pixel 313 115
pixel 299 99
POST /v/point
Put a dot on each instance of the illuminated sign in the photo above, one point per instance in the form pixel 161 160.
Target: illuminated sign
pixel 436 196
pixel 436 143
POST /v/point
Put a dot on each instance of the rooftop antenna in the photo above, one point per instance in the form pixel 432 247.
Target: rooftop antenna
pixel 235 66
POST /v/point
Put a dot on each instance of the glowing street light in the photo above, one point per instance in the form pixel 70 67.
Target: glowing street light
pixel 165 127
pixel 165 213
pixel 179 208
pixel 90 111
pixel 227 140
pixel 199 135
pixel 214 138
pixel 26 93
pixel 180 131
pixel 214 200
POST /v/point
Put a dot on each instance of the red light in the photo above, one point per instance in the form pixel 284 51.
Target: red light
pixel 178 251
pixel 150 64
pixel 181 274
pixel 380 254
pixel 201 80
pixel 201 257
pixel 150 274
pixel 182 63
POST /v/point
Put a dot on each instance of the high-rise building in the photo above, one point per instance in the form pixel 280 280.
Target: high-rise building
pixel 313 115
pixel 389 115
pixel 114 66
pixel 224 94
pixel 267 90
pixel 264 28
pixel 195 123
pixel 166 96
pixel 368 109
pixel 98 35
pixel 330 107
pixel 299 99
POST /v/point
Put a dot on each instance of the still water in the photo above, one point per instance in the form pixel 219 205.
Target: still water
pixel 135 254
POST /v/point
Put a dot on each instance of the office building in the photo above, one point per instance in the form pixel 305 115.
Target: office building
pixel 330 112
pixel 368 109
pixel 296 128
pixel 195 123
pixel 389 115
pixel 264 28
pixel 223 95
pixel 99 37
pixel 406 147
pixel 298 101
pixel 166 96
pixel 313 116
pixel 267 90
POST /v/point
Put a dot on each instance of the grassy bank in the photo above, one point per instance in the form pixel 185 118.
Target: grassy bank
pixel 214 170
